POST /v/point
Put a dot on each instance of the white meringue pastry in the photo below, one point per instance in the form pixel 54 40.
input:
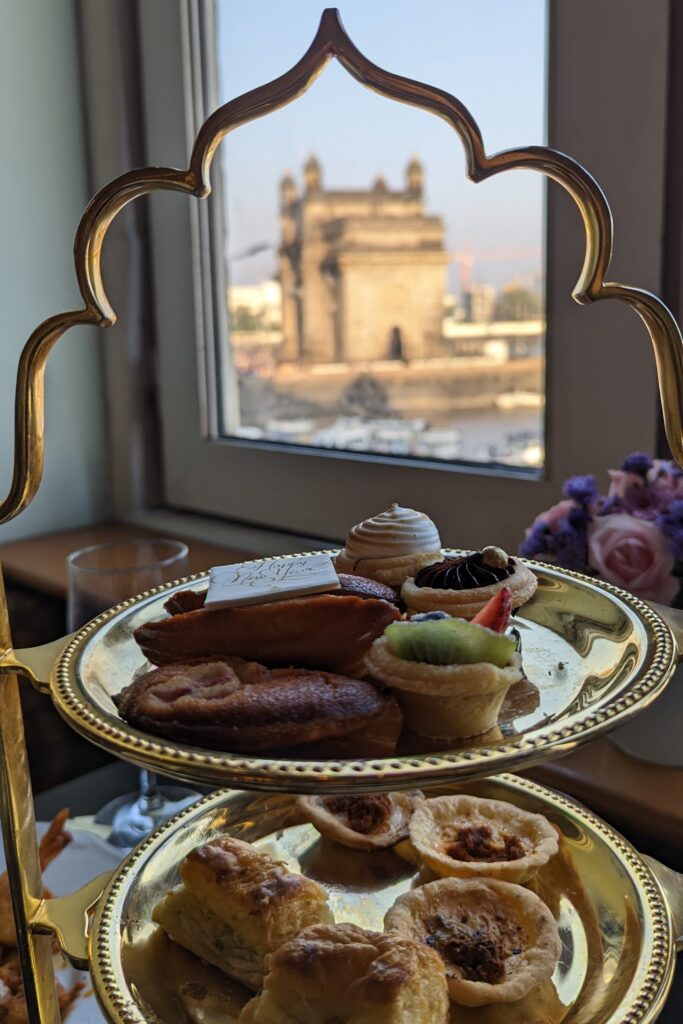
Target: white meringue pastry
pixel 391 546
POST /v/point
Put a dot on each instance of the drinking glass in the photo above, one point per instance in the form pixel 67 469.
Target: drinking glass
pixel 99 577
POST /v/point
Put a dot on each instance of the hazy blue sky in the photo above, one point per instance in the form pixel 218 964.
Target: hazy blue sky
pixel 490 53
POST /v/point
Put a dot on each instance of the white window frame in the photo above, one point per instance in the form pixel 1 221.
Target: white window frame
pixel 601 395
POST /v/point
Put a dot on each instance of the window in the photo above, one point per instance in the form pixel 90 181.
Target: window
pixel 599 385
pixel 378 301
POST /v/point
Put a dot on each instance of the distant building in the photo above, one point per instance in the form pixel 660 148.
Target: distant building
pixel 363 272
pixel 479 301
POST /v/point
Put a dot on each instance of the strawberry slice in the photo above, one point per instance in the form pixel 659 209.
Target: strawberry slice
pixel 496 613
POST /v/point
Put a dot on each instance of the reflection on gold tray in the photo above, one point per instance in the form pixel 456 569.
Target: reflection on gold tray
pixel 593 656
pixel 617 959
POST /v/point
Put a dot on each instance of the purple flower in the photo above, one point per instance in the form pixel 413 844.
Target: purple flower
pixel 581 488
pixel 670 522
pixel 536 541
pixel 565 543
pixel 639 463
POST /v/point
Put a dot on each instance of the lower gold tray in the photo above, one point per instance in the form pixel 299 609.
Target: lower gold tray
pixel 616 928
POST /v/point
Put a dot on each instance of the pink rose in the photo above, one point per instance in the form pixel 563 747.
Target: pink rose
pixel 633 554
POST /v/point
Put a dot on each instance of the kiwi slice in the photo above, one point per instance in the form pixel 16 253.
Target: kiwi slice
pixel 449 642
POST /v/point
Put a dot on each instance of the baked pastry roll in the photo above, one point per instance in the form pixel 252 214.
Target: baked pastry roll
pixel 467 836
pixel 371 821
pixel 321 631
pixel 344 973
pixel 497 940
pixel 236 905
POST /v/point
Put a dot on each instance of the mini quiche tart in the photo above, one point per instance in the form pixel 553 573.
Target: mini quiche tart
pixel 342 973
pixel 466 836
pixel 371 821
pixel 497 940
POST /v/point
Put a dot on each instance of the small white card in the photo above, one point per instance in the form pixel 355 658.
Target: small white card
pixel 278 578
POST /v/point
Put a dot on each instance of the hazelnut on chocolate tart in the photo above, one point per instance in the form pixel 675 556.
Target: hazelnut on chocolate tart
pixel 329 632
pixel 497 940
pixel 370 821
pixel 463 584
pixel 242 706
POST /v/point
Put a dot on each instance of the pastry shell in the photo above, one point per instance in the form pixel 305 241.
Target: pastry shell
pixel 515 920
pixel 392 570
pixel 436 822
pixel 465 604
pixel 334 824
pixel 345 973
pixel 444 701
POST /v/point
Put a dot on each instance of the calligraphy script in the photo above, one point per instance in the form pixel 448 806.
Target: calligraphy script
pixel 254 582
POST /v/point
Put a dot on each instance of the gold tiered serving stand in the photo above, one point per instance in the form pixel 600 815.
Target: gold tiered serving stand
pixel 598 655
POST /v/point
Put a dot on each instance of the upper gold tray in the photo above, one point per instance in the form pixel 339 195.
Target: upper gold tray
pixel 593 654
pixel 617 933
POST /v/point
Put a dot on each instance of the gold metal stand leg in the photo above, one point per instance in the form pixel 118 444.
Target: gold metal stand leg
pixel 21 848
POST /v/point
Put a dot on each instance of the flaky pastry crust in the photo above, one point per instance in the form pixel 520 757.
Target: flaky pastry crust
pixel 342 972
pixel 237 905
pixel 468 836
pixel 497 940
pixel 369 821
pixel 465 604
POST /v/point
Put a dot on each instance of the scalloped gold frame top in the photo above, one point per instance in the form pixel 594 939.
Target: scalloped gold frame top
pixel 330 41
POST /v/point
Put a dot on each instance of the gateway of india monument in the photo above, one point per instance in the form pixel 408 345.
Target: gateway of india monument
pixel 363 272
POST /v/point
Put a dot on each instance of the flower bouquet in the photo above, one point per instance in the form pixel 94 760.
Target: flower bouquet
pixel 632 536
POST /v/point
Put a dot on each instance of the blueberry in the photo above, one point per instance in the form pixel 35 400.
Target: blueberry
pixel 427 616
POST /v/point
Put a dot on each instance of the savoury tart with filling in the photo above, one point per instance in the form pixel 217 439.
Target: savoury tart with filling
pixel 370 821
pixel 497 940
pixel 469 836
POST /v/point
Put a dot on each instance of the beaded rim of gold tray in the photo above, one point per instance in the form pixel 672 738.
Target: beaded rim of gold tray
pixel 575 725
pixel 135 881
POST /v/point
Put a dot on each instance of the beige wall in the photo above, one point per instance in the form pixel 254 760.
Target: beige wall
pixel 43 190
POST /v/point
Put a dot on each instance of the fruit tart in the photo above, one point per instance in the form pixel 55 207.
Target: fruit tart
pixel 391 546
pixel 449 676
pixel 497 940
pixel 463 584
pixel 371 821
pixel 467 836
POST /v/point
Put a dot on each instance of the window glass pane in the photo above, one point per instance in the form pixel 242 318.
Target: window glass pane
pixel 378 301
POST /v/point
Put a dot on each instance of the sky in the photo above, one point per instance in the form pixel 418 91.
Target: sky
pixel 491 54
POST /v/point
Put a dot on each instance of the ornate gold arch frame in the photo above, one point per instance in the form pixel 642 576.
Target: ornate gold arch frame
pixel 37 918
